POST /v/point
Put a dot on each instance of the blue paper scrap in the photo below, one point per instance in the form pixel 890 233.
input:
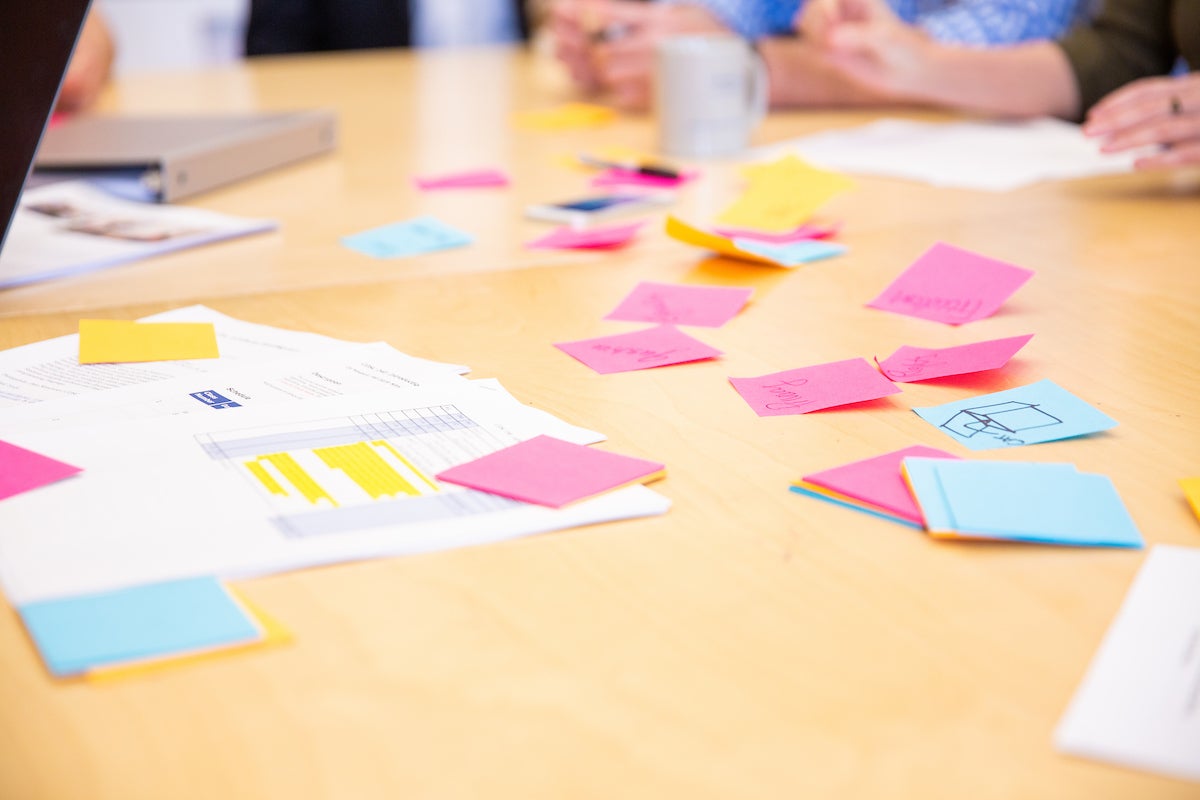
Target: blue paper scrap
pixel 1025 502
pixel 409 238
pixel 1039 412
pixel 792 253
pixel 75 634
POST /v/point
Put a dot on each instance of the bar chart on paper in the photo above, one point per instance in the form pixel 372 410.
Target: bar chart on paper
pixel 353 473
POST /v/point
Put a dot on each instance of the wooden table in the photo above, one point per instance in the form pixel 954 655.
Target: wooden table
pixel 750 643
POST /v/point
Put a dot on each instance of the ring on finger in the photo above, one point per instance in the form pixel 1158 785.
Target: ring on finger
pixel 1176 106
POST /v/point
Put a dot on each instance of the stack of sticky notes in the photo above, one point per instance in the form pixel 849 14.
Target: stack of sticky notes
pixel 953 498
pixel 129 630
pixel 1020 502
pixel 550 472
pixel 873 485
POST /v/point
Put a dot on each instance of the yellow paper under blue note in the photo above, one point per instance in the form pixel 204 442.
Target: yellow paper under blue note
pixel 76 634
pixel 1024 502
pixel 1191 488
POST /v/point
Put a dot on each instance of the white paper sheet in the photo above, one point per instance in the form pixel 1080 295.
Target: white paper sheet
pixel 51 369
pixel 80 228
pixel 989 156
pixel 1139 703
pixel 184 495
pixel 353 369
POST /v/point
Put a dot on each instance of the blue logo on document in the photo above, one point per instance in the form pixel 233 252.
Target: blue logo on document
pixel 215 399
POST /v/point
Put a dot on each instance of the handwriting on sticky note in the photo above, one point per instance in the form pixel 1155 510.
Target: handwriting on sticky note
pixel 911 364
pixel 1039 412
pixel 408 238
pixel 22 470
pixel 951 285
pixel 551 472
pixel 799 391
pixel 111 341
pixel 653 347
pixel 676 304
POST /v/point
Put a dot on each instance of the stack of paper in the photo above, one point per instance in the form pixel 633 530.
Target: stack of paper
pixel 73 227
pixel 948 154
pixel 290 450
pixel 1021 502
pixel 1137 705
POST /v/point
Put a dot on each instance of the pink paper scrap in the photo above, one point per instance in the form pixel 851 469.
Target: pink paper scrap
pixel 624 177
pixel 473 179
pixel 911 364
pixel 878 481
pixel 22 470
pixel 951 285
pixel 651 347
pixel 567 238
pixel 676 304
pixel 799 391
pixel 803 233
pixel 550 472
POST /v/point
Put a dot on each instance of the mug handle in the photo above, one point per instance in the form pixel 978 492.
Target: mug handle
pixel 759 87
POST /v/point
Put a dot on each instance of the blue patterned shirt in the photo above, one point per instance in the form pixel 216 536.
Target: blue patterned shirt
pixel 969 22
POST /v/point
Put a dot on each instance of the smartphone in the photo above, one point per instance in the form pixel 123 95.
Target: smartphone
pixel 579 213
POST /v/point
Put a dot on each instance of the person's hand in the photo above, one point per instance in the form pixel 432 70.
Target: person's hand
pixel 608 45
pixel 90 65
pixel 1154 111
pixel 867 42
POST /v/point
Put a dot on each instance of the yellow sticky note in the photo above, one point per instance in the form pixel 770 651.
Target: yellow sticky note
pixel 1191 490
pixel 107 341
pixel 274 634
pixel 781 195
pixel 688 234
pixel 566 117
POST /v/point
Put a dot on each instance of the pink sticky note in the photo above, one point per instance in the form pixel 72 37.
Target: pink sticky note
pixel 567 238
pixel 803 233
pixel 878 482
pixel 623 177
pixel 551 472
pixel 951 285
pixel 707 306
pixel 472 179
pixel 22 470
pixel 644 349
pixel 911 364
pixel 799 391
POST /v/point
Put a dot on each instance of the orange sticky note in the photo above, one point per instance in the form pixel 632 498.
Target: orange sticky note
pixel 569 116
pixel 108 341
pixel 1191 490
pixel 688 234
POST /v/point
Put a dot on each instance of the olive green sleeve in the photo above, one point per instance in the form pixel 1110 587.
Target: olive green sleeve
pixel 1128 39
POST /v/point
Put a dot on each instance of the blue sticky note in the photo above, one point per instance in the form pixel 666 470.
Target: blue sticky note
pixel 410 238
pixel 790 254
pixel 1039 412
pixel 1036 503
pixel 75 634
pixel 921 476
pixel 837 501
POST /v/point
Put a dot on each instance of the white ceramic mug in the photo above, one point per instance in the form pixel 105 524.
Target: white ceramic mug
pixel 711 95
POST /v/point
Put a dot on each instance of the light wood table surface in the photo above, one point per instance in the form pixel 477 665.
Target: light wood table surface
pixel 750 643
